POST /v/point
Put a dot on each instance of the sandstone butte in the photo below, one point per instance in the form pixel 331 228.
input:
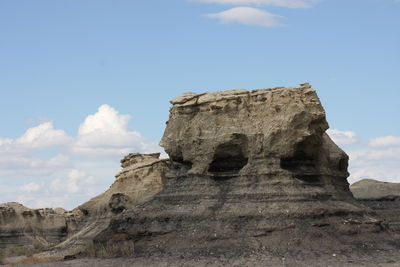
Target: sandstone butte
pixel 248 172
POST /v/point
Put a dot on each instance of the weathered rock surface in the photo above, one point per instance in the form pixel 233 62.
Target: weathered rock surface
pixel 251 171
pixel 370 189
pixel 20 225
pixel 142 176
pixel 382 197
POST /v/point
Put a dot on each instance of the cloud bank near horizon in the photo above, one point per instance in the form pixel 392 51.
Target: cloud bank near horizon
pixel 376 158
pixel 45 167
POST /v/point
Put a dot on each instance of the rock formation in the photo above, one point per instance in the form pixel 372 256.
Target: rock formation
pixel 251 171
pixel 382 197
pixel 369 189
pixel 20 225
pixel 142 176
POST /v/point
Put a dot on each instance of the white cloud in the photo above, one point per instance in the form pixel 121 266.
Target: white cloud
pixel 24 165
pixel 45 167
pixel 77 182
pixel 106 133
pixel 31 187
pixel 247 16
pixel 382 164
pixel 279 3
pixel 343 137
pixel 35 138
pixel 376 159
pixel 43 136
pixel 385 141
pixel 375 163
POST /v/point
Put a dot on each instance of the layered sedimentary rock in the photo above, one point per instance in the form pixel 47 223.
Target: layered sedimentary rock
pixel 251 170
pixel 142 176
pixel 382 197
pixel 20 225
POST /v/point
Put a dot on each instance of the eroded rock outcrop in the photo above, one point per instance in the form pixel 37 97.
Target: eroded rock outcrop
pixel 278 132
pixel 251 171
pixel 142 176
pixel 20 225
pixel 382 197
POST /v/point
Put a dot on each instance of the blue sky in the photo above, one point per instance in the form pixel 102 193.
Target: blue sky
pixel 71 70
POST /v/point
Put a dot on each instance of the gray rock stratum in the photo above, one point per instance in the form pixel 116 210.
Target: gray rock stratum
pixel 20 225
pixel 251 171
pixel 382 197
pixel 142 176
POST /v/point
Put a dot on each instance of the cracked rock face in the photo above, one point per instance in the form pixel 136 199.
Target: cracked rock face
pixel 251 171
pixel 277 132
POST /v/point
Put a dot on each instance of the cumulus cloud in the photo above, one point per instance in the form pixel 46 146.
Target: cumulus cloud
pixel 343 137
pixel 106 133
pixel 279 3
pixel 45 167
pixel 247 16
pixel 41 136
pixel 385 141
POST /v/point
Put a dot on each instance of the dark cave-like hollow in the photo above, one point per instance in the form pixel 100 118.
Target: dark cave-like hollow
pixel 229 158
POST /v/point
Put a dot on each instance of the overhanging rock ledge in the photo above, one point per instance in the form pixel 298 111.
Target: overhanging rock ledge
pixel 251 171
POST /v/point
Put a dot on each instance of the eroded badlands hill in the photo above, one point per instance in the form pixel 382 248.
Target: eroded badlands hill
pixel 142 176
pixel 251 171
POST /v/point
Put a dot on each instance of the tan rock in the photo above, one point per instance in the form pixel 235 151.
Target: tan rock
pixel 20 225
pixel 142 176
pixel 250 170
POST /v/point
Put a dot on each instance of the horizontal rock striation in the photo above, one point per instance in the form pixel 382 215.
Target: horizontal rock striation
pixel 250 171
pixel 142 176
pixel 382 197
pixel 20 225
